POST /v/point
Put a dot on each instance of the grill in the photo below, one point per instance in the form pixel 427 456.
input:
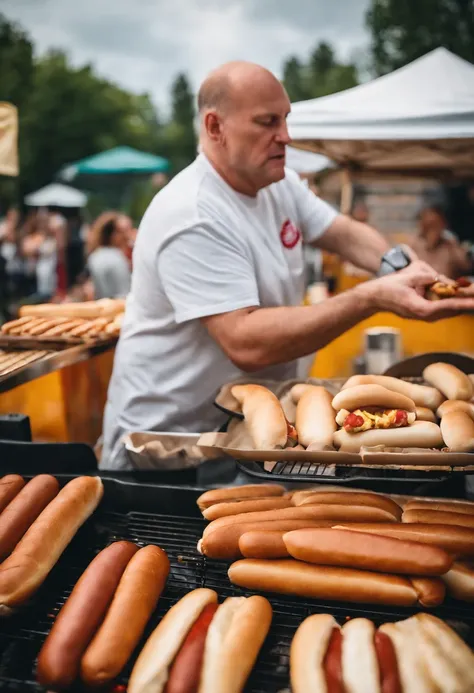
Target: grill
pixel 168 516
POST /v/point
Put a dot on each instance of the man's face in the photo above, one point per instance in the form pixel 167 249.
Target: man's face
pixel 431 224
pixel 253 133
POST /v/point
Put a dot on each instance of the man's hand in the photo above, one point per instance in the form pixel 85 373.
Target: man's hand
pixel 403 292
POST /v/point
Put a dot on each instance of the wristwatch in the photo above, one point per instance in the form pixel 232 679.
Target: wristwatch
pixel 393 260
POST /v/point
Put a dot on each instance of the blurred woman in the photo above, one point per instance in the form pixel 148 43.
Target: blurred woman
pixel 107 262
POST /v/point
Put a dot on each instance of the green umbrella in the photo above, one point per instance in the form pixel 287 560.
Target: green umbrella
pixel 117 161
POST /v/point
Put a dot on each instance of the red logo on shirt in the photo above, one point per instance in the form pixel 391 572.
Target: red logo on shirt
pixel 289 234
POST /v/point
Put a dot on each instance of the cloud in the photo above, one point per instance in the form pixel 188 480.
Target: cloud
pixel 143 44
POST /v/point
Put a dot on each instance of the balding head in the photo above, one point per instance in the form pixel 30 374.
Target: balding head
pixel 230 81
pixel 243 110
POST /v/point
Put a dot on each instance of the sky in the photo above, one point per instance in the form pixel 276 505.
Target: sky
pixel 143 44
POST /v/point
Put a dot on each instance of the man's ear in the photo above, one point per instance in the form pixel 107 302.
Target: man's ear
pixel 212 125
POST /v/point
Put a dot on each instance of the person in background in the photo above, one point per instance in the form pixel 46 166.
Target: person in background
pixel 39 249
pixel 108 262
pixel 436 246
pixel 360 211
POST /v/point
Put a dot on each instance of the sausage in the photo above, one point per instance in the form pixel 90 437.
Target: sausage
pixel 458 541
pixel 466 508
pixel 439 517
pixel 241 507
pixel 81 616
pixel 287 576
pixel 263 544
pixel 239 493
pixel 223 542
pixel 25 569
pixel 134 601
pixel 430 591
pixel 333 663
pixel 330 512
pixel 387 659
pixel 23 510
pixel 186 669
pixel 366 551
pixel 351 498
pixel 10 486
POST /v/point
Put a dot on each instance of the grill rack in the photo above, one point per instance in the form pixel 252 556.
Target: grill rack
pixel 129 512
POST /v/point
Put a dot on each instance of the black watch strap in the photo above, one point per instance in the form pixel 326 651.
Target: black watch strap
pixel 393 260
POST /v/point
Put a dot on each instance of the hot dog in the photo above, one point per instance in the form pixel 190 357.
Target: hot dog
pixel 23 510
pixel 455 405
pixel 315 422
pixel 372 407
pixel 235 494
pixel 455 506
pixel 223 542
pixel 459 541
pixel 422 395
pixel 449 380
pixel 438 517
pixel 287 576
pixel 459 581
pixel 263 544
pixel 81 616
pixel 25 569
pixel 350 498
pixel 421 434
pixel 187 653
pixel 134 601
pixel 367 552
pixel 457 429
pixel 264 416
pixel 225 509
pixel 332 512
pixel 10 486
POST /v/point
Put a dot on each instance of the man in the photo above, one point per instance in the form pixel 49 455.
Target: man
pixel 437 246
pixel 218 270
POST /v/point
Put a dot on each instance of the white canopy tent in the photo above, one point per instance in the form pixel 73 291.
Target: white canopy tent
pixel 420 117
pixel 306 162
pixel 56 195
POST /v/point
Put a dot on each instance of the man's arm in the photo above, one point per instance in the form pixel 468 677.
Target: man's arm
pixel 254 338
pixel 356 242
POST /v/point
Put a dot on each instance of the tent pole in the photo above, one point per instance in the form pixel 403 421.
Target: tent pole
pixel 347 191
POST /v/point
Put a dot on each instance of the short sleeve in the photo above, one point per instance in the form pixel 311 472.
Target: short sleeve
pixel 203 273
pixel 315 215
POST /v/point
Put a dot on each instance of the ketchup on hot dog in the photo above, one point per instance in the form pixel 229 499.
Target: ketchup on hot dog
pixel 389 678
pixel 186 668
pixel 333 663
pixel 353 421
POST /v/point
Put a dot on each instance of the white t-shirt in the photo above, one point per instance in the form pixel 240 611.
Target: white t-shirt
pixel 202 249
pixel 110 272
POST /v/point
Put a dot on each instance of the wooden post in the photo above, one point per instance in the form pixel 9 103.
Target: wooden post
pixel 346 191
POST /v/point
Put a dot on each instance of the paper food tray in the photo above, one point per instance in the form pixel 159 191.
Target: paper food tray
pixel 149 450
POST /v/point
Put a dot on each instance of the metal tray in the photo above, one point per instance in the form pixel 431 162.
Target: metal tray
pixel 169 517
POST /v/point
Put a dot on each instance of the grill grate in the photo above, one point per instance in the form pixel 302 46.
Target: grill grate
pixel 21 637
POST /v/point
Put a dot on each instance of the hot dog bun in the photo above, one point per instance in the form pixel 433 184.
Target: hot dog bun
pixel 235 494
pixel 233 640
pixel 362 396
pixel 25 569
pixel 459 541
pixel 449 380
pixel 307 653
pixel 133 603
pixel 81 616
pixel 357 498
pixel 23 510
pixel 225 509
pixel 263 415
pixel 425 414
pixel 464 507
pixel 455 405
pixel 457 429
pixel 422 395
pixel 287 576
pixel 366 552
pixel 263 544
pixel 438 517
pixel 429 590
pixel 315 423
pixel 421 434
pixel 459 581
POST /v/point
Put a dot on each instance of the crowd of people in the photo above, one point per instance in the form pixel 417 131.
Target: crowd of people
pixel 46 256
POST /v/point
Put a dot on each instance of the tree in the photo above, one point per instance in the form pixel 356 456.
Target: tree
pixel 322 59
pixel 403 30
pixel 294 79
pixel 180 131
